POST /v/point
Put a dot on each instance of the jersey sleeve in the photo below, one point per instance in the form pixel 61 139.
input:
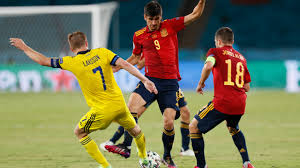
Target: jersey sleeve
pixel 177 23
pixel 212 53
pixel 63 63
pixel 137 47
pixel 111 56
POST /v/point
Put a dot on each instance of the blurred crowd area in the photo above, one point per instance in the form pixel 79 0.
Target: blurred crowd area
pixel 264 29
pixel 266 33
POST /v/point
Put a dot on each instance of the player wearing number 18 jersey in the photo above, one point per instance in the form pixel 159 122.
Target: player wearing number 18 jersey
pixel 231 81
pixel 230 73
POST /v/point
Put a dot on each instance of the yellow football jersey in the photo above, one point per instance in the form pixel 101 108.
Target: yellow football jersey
pixel 93 71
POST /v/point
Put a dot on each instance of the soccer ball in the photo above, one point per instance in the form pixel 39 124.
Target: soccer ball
pixel 154 159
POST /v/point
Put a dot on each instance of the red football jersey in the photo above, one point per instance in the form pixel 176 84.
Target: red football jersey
pixel 160 49
pixel 230 73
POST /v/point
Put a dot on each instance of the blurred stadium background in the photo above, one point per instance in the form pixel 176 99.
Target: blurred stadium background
pixel 266 33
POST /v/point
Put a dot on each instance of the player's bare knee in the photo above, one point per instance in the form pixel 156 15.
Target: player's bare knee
pixel 168 124
pixel 79 132
pixel 131 107
pixel 76 131
pixel 135 131
pixel 185 115
pixel 193 127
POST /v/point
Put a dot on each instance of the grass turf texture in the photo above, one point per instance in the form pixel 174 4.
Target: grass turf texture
pixel 37 131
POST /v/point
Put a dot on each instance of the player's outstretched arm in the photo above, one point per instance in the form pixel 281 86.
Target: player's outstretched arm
pixel 32 54
pixel 150 86
pixel 133 60
pixel 204 75
pixel 197 12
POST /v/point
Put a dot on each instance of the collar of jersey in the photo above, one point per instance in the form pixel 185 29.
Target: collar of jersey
pixel 83 52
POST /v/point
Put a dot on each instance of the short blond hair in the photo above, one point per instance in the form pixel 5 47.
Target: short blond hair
pixel 77 39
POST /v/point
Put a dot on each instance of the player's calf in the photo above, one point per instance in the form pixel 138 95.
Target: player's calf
pixel 197 143
pixel 240 142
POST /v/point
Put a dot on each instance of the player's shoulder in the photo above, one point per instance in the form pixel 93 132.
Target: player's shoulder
pixel 173 19
pixel 211 52
pixel 140 32
pixel 66 58
pixel 100 50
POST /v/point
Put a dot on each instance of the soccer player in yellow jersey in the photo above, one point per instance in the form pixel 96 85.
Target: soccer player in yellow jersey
pixel 93 70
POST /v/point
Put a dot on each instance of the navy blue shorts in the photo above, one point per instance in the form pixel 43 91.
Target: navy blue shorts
pixel 167 97
pixel 208 118
pixel 181 101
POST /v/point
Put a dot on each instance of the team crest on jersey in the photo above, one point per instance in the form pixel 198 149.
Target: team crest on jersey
pixel 164 32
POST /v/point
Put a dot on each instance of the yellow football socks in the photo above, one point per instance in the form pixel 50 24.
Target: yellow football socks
pixel 141 145
pixel 92 148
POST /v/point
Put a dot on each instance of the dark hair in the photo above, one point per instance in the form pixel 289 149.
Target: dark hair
pixel 225 34
pixel 76 39
pixel 152 8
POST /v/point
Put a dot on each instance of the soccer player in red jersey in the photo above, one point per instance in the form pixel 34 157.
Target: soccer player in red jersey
pixel 231 82
pixel 158 43
pixel 184 127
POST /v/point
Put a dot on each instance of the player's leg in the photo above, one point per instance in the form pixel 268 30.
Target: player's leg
pixel 238 138
pixel 117 135
pixel 136 105
pixel 138 102
pixel 88 124
pixel 126 120
pixel 168 104
pixel 206 119
pixel 184 127
pixel 197 143
pixel 168 136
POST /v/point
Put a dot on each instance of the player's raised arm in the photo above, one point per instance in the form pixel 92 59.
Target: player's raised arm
pixel 131 69
pixel 204 75
pixel 31 53
pixel 197 12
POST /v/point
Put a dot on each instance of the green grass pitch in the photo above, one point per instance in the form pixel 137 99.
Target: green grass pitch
pixel 37 132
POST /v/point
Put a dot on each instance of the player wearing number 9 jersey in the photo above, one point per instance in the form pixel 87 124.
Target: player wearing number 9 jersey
pixel 231 81
pixel 93 70
pixel 158 43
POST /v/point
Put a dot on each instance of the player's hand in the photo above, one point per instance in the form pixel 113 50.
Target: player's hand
pixel 150 86
pixel 18 43
pixel 200 87
pixel 116 68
